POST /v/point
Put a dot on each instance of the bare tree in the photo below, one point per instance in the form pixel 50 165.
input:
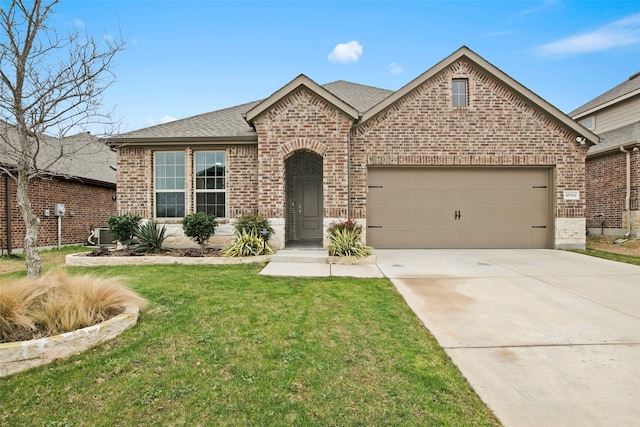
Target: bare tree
pixel 50 85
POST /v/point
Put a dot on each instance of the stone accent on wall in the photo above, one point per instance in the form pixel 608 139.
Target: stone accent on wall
pixel 570 233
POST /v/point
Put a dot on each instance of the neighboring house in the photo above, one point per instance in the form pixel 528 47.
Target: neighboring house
pixel 83 180
pixel 463 156
pixel 613 166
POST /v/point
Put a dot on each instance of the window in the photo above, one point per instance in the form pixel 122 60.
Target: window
pixel 169 184
pixel 210 174
pixel 459 93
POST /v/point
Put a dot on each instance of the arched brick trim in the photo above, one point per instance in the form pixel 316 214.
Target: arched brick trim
pixel 289 148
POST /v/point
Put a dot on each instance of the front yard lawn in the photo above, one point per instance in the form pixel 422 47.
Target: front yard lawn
pixel 224 346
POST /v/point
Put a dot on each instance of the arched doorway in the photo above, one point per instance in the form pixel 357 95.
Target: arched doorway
pixel 304 207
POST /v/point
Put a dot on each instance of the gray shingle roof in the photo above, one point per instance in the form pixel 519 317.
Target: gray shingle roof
pixel 624 88
pixel 85 157
pixel 230 122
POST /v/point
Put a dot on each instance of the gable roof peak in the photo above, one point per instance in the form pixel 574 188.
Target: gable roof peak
pixel 301 80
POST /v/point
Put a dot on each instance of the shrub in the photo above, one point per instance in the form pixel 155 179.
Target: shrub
pixel 124 227
pixel 199 226
pixel 57 303
pixel 257 223
pixel 346 240
pixel 149 238
pixel 248 243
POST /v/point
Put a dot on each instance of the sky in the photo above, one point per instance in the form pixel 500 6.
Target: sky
pixel 187 57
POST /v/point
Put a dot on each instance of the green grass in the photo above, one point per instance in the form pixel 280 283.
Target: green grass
pixel 224 346
pixel 629 259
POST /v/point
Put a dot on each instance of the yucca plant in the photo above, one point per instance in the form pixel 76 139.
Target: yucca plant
pixel 248 243
pixel 346 240
pixel 257 223
pixel 149 238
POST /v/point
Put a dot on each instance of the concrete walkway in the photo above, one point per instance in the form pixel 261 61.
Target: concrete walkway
pixel 546 338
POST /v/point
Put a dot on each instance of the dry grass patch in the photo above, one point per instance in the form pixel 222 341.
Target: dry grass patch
pixel 58 302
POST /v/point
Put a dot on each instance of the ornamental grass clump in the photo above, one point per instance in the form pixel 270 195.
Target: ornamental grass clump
pixel 345 240
pixel 58 302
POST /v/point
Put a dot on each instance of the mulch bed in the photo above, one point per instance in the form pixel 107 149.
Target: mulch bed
pixel 176 252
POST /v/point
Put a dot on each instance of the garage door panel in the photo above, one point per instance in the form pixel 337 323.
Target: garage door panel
pixel 421 207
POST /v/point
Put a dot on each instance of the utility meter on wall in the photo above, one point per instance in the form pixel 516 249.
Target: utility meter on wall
pixel 58 209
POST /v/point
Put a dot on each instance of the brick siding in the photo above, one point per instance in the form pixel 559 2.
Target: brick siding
pixel 606 188
pixel 498 128
pixel 86 205
pixel 302 121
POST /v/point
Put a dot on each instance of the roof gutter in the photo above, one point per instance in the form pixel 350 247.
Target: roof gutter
pixel 237 139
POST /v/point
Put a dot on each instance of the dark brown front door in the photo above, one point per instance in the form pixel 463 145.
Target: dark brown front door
pixel 309 208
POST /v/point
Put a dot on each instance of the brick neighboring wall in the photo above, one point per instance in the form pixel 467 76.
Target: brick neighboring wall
pixel 302 121
pixel 497 129
pixel 607 187
pixel 85 205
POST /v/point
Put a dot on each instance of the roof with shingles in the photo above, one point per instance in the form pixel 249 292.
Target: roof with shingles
pixel 230 122
pixel 625 88
pixel 83 157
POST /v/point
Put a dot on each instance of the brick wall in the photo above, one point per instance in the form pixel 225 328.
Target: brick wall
pixel 135 179
pixel 302 121
pixel 85 205
pixel 497 128
pixel 606 188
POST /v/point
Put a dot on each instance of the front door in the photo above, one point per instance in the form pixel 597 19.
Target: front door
pixel 309 208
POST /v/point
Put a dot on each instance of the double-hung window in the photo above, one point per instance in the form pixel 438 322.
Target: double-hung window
pixel 169 184
pixel 210 185
pixel 460 93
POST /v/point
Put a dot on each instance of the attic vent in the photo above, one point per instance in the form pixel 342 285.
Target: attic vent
pixel 633 76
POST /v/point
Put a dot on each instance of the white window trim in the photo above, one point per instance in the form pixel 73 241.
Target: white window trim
pixel 156 190
pixel 196 190
pixel 467 96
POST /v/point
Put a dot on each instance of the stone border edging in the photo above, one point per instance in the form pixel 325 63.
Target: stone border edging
pixel 81 260
pixel 22 355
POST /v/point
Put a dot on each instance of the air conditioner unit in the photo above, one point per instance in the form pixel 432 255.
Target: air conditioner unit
pixel 105 238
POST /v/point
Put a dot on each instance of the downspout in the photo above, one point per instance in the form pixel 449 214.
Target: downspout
pixel 7 188
pixel 627 198
pixel 349 174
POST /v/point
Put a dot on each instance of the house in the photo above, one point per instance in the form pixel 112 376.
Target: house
pixel 83 180
pixel 463 156
pixel 613 166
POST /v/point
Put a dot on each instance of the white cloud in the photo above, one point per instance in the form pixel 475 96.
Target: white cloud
pixel 624 32
pixel 149 121
pixel 394 68
pixel 167 119
pixel 346 52
pixel 78 23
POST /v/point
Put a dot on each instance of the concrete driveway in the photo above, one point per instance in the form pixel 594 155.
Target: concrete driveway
pixel 546 338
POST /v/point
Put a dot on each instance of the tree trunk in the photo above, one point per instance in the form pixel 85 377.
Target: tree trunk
pixel 32 222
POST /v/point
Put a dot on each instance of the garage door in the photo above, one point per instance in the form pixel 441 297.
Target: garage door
pixel 418 207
